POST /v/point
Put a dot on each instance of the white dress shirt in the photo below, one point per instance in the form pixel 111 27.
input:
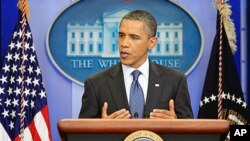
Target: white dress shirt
pixel 143 78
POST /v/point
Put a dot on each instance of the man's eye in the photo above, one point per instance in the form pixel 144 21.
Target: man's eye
pixel 135 37
pixel 121 35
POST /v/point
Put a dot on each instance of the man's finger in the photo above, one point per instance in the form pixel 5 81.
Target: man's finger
pixel 162 115
pixel 162 111
pixel 104 110
pixel 124 115
pixel 171 105
pixel 117 113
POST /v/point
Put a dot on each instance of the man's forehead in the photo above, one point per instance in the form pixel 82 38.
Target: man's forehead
pixel 131 25
pixel 132 21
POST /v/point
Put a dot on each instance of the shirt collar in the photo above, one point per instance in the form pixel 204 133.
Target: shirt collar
pixel 144 69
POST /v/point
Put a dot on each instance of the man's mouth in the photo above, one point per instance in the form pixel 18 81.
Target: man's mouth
pixel 124 54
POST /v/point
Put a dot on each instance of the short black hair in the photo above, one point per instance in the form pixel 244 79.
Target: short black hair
pixel 145 17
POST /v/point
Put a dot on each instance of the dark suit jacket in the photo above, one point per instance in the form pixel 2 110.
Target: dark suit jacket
pixel 108 86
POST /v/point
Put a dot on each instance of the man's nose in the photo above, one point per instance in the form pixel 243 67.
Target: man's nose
pixel 124 42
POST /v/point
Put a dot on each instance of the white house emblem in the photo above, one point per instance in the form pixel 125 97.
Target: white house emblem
pixel 83 40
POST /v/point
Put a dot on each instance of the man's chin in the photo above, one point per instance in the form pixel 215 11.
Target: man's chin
pixel 125 62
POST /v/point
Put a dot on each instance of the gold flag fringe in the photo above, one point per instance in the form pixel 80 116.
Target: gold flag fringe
pixel 226 12
pixel 26 7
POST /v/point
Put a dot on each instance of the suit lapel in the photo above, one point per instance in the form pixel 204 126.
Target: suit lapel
pixel 117 87
pixel 155 85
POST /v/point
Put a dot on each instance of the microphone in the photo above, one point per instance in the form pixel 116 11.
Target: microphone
pixel 136 115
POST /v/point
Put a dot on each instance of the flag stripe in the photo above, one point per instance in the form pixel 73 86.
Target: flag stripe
pixel 28 135
pixel 45 112
pixel 4 135
pixel 33 130
pixel 17 138
pixel 41 127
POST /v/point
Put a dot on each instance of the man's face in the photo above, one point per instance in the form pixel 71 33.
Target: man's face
pixel 134 43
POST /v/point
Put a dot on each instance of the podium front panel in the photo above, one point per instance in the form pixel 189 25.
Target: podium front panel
pixel 119 129
pixel 121 137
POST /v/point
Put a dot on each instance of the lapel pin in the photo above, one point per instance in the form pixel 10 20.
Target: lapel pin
pixel 157 85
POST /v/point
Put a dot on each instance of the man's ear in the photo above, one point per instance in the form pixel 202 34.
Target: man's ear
pixel 152 42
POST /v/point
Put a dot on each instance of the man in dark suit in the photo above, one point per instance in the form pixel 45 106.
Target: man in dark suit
pixel 165 93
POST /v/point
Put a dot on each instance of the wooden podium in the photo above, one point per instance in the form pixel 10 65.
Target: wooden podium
pixel 119 129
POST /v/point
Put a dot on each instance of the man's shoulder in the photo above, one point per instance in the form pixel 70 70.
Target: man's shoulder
pixel 104 73
pixel 166 70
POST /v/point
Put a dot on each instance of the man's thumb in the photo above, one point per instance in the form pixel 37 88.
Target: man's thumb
pixel 171 105
pixel 104 110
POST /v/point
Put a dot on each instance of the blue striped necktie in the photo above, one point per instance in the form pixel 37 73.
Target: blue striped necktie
pixel 136 97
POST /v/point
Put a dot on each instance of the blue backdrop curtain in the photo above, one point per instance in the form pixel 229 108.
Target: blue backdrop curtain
pixel 248 53
pixel 236 18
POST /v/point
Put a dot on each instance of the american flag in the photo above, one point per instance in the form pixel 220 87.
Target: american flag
pixel 23 103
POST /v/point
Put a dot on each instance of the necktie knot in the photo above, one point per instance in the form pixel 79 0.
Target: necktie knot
pixel 136 74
